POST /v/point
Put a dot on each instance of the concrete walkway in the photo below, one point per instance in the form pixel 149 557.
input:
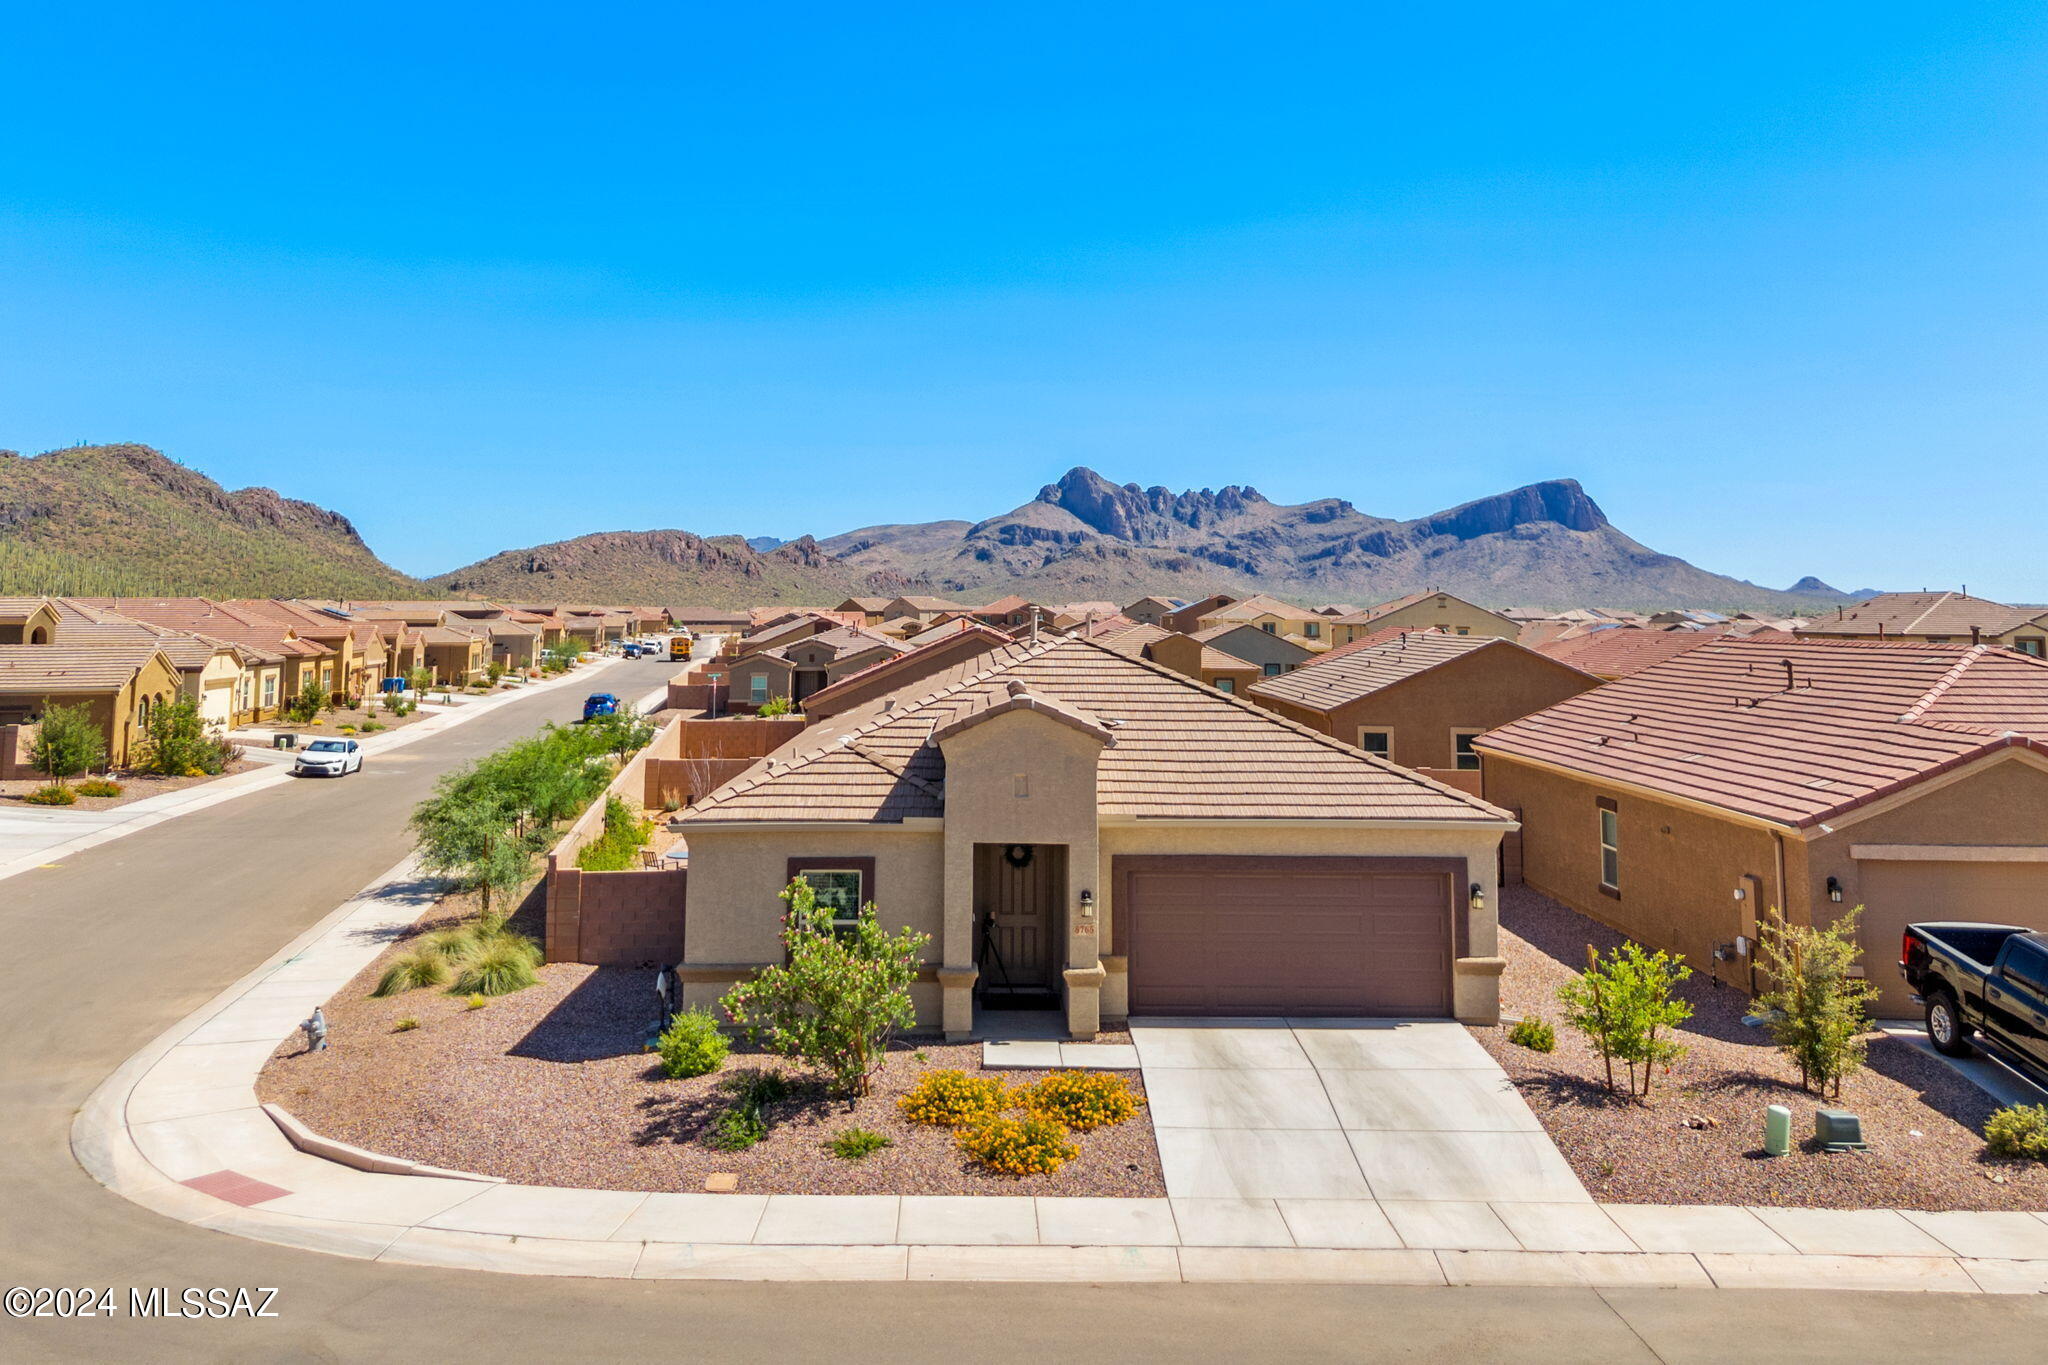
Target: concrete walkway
pixel 31 837
pixel 177 1129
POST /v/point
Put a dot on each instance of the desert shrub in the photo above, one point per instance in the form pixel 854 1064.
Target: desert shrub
pixel 68 742
pixel 450 944
pixel 949 1098
pixel 1534 1033
pixel 839 996
pixel 1030 1145
pixel 411 971
pixel 618 847
pixel 736 1129
pixel 56 794
pixel 857 1144
pixel 372 726
pixel 494 671
pixel 1082 1100
pixel 774 706
pixel 499 966
pixel 405 1025
pixel 1817 1013
pixel 306 706
pixel 475 1002
pixel 692 1045
pixel 99 786
pixel 1620 1002
pixel 2019 1130
pixel 348 729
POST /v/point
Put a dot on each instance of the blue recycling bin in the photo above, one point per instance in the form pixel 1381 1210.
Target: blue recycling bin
pixel 392 685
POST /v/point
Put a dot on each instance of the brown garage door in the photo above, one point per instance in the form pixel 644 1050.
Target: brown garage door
pixel 1897 893
pixel 1330 936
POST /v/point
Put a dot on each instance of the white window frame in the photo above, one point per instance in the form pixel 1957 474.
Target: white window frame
pixel 1610 848
pixel 757 688
pixel 1458 756
pixel 1385 730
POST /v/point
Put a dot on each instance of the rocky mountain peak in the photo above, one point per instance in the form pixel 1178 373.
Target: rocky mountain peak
pixel 1129 512
pixel 1559 501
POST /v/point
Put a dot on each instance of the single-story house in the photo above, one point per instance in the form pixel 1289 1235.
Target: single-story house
pixel 1271 652
pixel 1074 825
pixel 900 672
pixel 1424 611
pixel 283 663
pixel 212 674
pixel 804 665
pixel 1420 698
pixel 1151 611
pixel 710 620
pixel 120 683
pixel 1678 804
pixel 923 608
pixel 869 609
pixel 1936 617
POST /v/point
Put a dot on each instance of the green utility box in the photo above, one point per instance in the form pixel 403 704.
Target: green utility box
pixel 1838 1130
pixel 1777 1130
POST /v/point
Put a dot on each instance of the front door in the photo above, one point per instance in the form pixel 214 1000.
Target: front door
pixel 1017 892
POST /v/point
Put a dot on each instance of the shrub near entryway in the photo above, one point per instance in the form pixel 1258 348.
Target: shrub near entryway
pixel 949 1098
pixel 1082 1100
pixel 1031 1145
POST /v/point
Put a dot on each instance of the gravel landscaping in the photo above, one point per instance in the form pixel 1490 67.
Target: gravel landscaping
pixel 134 787
pixel 1922 1120
pixel 548 1086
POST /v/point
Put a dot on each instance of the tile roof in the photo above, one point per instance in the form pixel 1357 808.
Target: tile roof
pixel 1359 669
pixel 1182 751
pixel 38 669
pixel 1624 650
pixel 1791 731
pixel 16 610
pixel 79 624
pixel 1371 614
pixel 1257 605
pixel 1953 614
pixel 204 616
pixel 914 665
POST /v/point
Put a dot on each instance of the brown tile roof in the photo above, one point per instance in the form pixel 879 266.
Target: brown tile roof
pixel 1003 606
pixel 34 670
pixel 1258 604
pixel 913 665
pixel 1624 650
pixel 1215 660
pixel 1922 613
pixel 204 616
pixel 16 610
pixel 80 624
pixel 1791 731
pixel 1348 673
pixel 1123 636
pixel 931 604
pixel 1182 751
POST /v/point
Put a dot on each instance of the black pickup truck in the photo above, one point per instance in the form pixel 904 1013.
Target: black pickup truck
pixel 1987 979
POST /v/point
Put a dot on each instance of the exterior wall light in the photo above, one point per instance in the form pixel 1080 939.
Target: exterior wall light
pixel 1834 890
pixel 1087 905
pixel 1739 894
pixel 1478 901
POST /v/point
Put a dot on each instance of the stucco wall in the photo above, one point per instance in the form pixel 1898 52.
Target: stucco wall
pixel 1442 611
pixel 1679 867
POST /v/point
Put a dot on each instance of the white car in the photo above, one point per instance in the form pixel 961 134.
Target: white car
pixel 330 758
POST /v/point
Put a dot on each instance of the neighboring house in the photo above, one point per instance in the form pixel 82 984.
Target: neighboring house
pixel 27 621
pixel 1073 825
pixel 338 669
pixel 1420 698
pixel 212 674
pixel 281 664
pixel 1275 617
pixel 1068 615
pixel 710 621
pixel 869 609
pixel 1936 617
pixel 1188 619
pixel 922 608
pixel 121 684
pixel 804 666
pixel 785 630
pixel 1272 653
pixel 1151 611
pixel 1624 650
pixel 1425 611
pixel 1014 614
pixel 1191 658
pixel 902 672
pixel 454 656
pixel 1679 804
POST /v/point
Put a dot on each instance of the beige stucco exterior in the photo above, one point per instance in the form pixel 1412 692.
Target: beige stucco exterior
pixel 1452 615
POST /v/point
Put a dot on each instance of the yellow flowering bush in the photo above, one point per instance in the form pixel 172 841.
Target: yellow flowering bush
pixel 949 1098
pixel 1082 1100
pixel 1031 1145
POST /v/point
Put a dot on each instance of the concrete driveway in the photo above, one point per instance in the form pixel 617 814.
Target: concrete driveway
pixel 1355 1121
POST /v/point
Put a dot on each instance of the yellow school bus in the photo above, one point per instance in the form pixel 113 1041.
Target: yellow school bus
pixel 678 647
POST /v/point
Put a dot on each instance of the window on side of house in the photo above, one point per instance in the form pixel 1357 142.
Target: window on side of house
pixel 1226 684
pixel 1271 670
pixel 757 688
pixel 1610 847
pixel 1464 757
pixel 270 689
pixel 2032 644
pixel 1313 630
pixel 1464 630
pixel 1269 627
pixel 1378 743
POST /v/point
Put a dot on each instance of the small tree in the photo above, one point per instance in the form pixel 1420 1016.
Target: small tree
pixel 841 996
pixel 774 706
pixel 625 732
pixel 1620 1003
pixel 495 671
pixel 68 742
pixel 1816 1010
pixel 308 704
pixel 419 680
pixel 175 742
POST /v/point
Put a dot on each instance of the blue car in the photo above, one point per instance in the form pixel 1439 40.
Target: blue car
pixel 600 704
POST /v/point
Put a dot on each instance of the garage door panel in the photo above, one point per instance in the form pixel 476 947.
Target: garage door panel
pixel 1306 936
pixel 1897 893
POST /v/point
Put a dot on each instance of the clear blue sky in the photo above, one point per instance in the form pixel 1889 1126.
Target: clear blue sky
pixel 1768 279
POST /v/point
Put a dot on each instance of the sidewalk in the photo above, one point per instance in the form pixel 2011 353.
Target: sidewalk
pixel 31 837
pixel 177 1129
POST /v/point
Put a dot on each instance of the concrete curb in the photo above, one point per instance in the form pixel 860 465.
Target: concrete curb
pixel 147 815
pixel 177 1128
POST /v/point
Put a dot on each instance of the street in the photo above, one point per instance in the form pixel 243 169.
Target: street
pixel 118 942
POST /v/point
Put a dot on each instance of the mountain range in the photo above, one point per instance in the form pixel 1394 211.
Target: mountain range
pixel 96 520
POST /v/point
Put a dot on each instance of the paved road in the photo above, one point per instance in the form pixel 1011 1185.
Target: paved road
pixel 106 951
